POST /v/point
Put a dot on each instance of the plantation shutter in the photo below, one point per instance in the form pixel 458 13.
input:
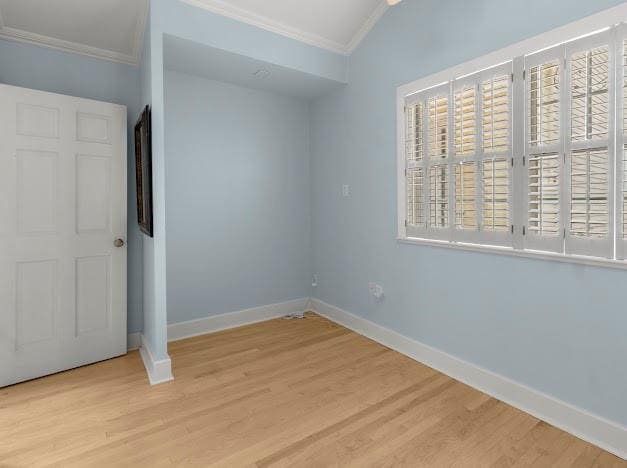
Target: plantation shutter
pixel 439 177
pixel 621 143
pixel 544 150
pixel 495 155
pixel 428 180
pixel 589 146
pixel 465 160
pixel 414 153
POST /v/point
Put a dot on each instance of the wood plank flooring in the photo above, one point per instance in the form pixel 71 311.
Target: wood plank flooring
pixel 275 394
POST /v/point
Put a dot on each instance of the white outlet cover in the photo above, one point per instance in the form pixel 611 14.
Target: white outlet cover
pixel 346 190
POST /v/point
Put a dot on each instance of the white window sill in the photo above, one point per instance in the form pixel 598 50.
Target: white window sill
pixel 533 254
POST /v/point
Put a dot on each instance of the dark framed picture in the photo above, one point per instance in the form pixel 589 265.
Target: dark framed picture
pixel 143 172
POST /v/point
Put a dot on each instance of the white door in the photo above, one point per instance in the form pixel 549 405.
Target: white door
pixel 62 208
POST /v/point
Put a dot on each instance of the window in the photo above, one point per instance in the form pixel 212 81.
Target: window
pixel 528 155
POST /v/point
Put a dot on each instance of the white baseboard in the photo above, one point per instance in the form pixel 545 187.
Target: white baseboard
pixel 158 371
pixel 601 432
pixel 133 341
pixel 214 323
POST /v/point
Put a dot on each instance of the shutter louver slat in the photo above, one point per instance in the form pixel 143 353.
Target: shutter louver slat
pixel 438 126
pixel 544 196
pixel 415 205
pixel 465 121
pixel 590 94
pixel 495 105
pixel 413 132
pixel 496 195
pixel 438 196
pixel 465 195
pixel 544 105
pixel 589 204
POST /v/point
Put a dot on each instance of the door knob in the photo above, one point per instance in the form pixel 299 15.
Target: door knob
pixel 118 242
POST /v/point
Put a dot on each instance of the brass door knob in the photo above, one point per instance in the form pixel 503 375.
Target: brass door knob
pixel 118 242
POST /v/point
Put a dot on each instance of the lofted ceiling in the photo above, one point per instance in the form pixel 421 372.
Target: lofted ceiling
pixel 113 29
pixel 108 29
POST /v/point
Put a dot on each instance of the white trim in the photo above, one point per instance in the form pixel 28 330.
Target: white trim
pixel 28 37
pixel 158 371
pixel 366 27
pixel 532 254
pixel 133 341
pixel 556 36
pixel 599 431
pixel 223 8
pixel 214 323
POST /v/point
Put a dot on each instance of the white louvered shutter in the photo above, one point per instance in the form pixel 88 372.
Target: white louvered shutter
pixel 438 177
pixel 589 146
pixel 621 142
pixel 544 150
pixel 495 173
pixel 415 167
pixel 465 160
pixel 428 177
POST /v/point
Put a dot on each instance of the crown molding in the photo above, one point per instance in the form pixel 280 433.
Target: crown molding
pixel 366 27
pixel 28 37
pixel 223 8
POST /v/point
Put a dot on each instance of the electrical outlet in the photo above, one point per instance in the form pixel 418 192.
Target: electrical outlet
pixel 346 191
pixel 314 284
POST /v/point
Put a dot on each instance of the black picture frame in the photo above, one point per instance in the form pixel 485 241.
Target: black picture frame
pixel 143 171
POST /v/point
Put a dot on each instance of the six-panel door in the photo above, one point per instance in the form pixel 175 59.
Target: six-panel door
pixel 62 206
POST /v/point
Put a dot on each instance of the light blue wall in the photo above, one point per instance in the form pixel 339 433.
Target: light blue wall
pixel 76 75
pixel 559 328
pixel 238 197
pixel 178 19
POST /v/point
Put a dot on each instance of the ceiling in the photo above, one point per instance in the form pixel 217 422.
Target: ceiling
pixel 113 29
pixel 108 29
pixel 337 25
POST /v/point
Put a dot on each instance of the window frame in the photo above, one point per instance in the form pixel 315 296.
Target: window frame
pixel 517 55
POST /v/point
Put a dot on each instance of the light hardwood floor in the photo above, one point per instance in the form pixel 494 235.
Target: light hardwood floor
pixel 279 393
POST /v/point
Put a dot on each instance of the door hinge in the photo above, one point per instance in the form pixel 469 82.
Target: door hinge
pixel 512 77
pixel 564 158
pixel 524 231
pixel 512 229
pixel 564 233
pixel 524 161
pixel 524 74
pixel 512 162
